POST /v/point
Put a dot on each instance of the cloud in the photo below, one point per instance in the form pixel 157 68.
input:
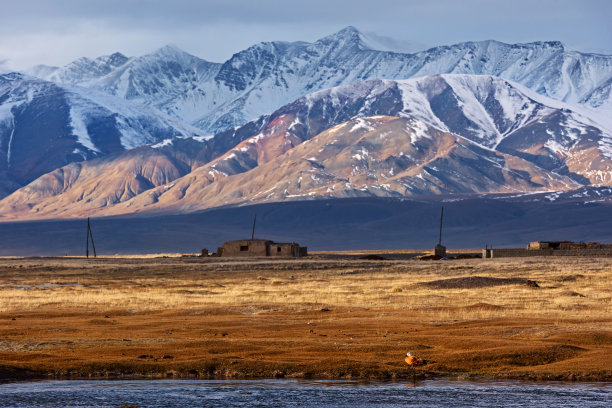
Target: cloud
pixel 41 31
pixel 4 66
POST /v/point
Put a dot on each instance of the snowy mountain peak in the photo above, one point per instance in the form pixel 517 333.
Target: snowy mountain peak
pixel 81 70
pixel 114 60
pixel 351 37
pixel 553 44
pixel 348 37
pixel 168 54
pixel 347 32
pixel 168 50
pixel 171 47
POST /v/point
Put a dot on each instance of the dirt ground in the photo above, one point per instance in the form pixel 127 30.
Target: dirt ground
pixel 318 317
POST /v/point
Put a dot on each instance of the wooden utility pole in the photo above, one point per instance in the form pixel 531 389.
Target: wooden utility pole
pixel 440 250
pixel 441 218
pixel 253 233
pixel 89 236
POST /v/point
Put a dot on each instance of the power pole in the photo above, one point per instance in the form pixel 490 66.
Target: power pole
pixel 89 236
pixel 253 233
pixel 440 250
pixel 441 218
pixel 87 240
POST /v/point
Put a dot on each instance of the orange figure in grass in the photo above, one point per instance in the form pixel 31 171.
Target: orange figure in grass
pixel 413 361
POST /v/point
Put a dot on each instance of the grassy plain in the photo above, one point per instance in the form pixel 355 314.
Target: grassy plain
pixel 318 317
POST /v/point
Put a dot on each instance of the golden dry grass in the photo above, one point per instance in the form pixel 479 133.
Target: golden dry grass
pixel 570 288
pixel 379 303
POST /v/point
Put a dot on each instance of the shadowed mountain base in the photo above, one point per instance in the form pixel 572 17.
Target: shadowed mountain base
pixel 361 223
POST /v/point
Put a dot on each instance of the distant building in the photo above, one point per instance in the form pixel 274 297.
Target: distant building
pixel 564 245
pixel 261 247
pixel 551 248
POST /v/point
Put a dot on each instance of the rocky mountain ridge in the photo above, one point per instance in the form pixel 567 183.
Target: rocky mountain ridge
pixel 266 76
pixel 444 134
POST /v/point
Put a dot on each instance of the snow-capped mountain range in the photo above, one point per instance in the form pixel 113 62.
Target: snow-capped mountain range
pixel 115 135
pixel 442 134
pixel 266 76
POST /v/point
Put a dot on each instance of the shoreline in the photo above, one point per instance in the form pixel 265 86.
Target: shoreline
pixel 571 378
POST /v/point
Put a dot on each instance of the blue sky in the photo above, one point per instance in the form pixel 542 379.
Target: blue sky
pixel 59 31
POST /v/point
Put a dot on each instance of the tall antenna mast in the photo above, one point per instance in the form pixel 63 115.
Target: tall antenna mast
pixel 441 218
pixel 253 233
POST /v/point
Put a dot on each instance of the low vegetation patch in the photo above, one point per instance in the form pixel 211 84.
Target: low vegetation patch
pixel 472 282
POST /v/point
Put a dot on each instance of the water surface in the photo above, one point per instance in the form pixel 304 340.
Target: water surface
pixel 294 393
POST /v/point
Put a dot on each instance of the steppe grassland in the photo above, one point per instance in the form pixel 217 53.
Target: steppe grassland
pixel 569 288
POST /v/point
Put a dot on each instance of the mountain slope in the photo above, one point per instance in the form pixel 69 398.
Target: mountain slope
pixel 378 156
pixel 442 134
pixel 266 76
pixel 311 119
pixel 44 126
pixel 166 78
pixel 105 181
pixel 488 111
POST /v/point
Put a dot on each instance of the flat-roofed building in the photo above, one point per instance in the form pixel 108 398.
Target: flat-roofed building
pixel 260 248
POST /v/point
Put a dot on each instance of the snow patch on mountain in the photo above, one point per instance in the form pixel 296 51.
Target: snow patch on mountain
pixel 361 124
pixel 138 124
pixel 416 104
pixel 79 129
pixel 417 130
pixel 163 143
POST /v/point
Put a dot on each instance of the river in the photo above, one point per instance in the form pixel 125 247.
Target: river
pixel 302 393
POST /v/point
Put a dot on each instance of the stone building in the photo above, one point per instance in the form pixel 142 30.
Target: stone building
pixel 551 248
pixel 261 247
pixel 565 245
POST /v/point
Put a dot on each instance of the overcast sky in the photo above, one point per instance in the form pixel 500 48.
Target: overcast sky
pixel 55 32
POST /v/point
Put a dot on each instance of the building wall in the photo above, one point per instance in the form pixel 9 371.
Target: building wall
pixel 246 248
pixel 284 250
pixel 256 248
pixel 567 245
pixel 536 245
pixel 520 252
